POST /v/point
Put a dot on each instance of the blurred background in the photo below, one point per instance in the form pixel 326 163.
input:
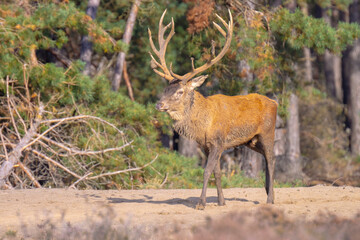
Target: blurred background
pixel 62 60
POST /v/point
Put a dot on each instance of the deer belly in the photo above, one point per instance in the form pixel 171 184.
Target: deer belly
pixel 240 135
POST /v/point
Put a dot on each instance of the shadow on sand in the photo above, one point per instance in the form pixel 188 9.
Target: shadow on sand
pixel 188 202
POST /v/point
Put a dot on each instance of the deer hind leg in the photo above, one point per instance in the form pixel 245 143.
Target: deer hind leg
pixel 213 158
pixel 217 173
pixel 267 146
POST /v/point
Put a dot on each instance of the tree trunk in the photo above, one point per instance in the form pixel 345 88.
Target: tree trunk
pixel 332 68
pixel 86 44
pixel 252 162
pixel 293 157
pixel 308 76
pixel 280 137
pixel 187 147
pixel 351 76
pixel 118 71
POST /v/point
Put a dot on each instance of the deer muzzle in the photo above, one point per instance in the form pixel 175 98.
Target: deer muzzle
pixel 161 107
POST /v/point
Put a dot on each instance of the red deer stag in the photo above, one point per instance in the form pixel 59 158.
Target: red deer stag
pixel 216 122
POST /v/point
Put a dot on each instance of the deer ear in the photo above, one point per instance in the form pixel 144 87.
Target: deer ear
pixel 196 82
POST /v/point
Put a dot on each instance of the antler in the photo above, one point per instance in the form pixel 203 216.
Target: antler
pixel 170 75
pixel 162 48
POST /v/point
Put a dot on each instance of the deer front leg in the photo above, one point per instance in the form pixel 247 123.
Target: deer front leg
pixel 210 166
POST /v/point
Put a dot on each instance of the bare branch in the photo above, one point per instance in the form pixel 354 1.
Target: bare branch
pixel 81 117
pixel 55 163
pixel 18 114
pixel 165 179
pixel 73 151
pixel 10 109
pixel 3 143
pixel 79 180
pixel 123 171
pixel 29 174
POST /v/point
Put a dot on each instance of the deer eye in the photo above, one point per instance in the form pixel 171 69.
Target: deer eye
pixel 179 93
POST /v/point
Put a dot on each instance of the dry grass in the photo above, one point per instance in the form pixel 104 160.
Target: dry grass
pixel 264 223
pixel 268 223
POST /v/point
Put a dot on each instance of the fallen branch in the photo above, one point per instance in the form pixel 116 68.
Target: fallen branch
pixel 29 174
pixel 73 151
pixel 3 143
pixel 61 120
pixel 55 163
pixel 122 171
pixel 79 180
pixel 165 179
pixel 10 110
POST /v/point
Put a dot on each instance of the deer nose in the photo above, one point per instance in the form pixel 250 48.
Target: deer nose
pixel 160 106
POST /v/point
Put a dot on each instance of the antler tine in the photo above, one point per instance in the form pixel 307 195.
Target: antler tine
pixel 227 26
pixel 156 62
pixel 163 43
pixel 152 44
pixel 222 21
pixel 220 29
pixel 162 47
pixel 160 33
pixel 227 35
pixel 231 23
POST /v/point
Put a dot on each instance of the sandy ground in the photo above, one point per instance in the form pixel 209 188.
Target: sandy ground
pixel 162 207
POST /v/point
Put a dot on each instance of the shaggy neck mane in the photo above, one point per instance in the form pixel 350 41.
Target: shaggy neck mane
pixel 193 117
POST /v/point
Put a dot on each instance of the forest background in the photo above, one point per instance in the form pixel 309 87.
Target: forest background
pixel 77 91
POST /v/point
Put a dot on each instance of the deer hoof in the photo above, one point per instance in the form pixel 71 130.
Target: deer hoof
pixel 200 206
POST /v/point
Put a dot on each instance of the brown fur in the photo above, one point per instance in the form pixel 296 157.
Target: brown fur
pixel 221 122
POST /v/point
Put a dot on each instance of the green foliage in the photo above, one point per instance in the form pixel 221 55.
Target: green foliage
pixel 268 42
pixel 47 27
pixel 304 31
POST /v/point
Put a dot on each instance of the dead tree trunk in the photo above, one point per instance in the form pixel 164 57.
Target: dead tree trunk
pixel 14 156
pixel 86 44
pixel 118 71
